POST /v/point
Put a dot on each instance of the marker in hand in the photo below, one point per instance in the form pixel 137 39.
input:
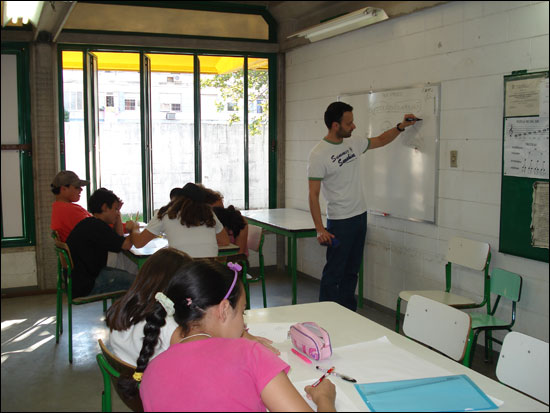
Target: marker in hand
pixel 412 119
pixel 334 244
pixel 323 377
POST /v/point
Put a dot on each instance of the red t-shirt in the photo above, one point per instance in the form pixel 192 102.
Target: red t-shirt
pixel 65 216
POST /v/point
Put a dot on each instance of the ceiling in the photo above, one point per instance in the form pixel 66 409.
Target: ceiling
pixel 290 16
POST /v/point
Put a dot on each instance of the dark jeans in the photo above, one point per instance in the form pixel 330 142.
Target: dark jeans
pixel 343 261
pixel 112 279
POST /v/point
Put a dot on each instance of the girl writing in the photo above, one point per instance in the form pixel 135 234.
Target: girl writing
pixel 211 368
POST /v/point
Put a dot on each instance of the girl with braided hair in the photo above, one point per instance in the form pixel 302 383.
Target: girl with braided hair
pixel 212 368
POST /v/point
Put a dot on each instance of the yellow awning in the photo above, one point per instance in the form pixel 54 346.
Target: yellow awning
pixel 172 63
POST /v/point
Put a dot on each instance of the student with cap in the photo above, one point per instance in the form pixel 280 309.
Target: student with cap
pixel 67 187
pixel 189 223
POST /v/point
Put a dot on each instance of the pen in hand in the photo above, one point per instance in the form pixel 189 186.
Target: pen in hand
pixel 323 377
pixel 412 119
pixel 342 376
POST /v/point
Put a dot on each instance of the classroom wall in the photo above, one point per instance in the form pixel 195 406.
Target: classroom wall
pixel 467 47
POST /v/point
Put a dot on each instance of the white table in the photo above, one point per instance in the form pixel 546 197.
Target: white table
pixel 293 224
pixel 346 327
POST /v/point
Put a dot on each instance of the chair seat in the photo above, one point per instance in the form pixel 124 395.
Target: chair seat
pixel 480 320
pixel 441 296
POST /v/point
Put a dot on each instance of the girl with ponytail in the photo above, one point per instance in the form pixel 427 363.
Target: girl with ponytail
pixel 212 368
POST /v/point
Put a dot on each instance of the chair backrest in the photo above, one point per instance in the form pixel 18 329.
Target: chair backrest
pixel 122 369
pixel 468 253
pixel 523 365
pixel 255 234
pixel 64 255
pixel 437 325
pixel 506 284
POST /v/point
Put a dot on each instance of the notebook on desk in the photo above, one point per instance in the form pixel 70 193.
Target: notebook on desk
pixel 435 394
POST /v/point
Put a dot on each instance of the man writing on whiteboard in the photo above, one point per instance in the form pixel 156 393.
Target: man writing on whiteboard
pixel 334 167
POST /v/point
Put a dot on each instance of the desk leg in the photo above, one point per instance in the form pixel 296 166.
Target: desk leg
pixel 293 266
pixel 360 300
pixel 289 256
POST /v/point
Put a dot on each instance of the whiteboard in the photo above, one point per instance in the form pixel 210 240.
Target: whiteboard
pixel 399 179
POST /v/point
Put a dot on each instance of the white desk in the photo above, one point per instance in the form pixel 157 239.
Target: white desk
pixel 293 224
pixel 346 327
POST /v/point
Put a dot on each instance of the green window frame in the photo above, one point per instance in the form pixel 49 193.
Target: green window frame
pixel 145 138
pixel 28 237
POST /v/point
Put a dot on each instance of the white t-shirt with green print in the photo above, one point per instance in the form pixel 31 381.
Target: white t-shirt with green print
pixel 338 168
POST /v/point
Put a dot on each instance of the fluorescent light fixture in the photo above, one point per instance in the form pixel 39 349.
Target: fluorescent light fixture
pixel 24 10
pixel 343 24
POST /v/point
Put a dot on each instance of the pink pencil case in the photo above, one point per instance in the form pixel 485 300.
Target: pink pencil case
pixel 312 340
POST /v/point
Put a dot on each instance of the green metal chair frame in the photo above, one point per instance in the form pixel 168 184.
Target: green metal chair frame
pixel 255 244
pixel 64 285
pixel 112 368
pixel 448 283
pixel 504 284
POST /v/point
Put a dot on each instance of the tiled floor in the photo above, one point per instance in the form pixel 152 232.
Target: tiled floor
pixel 36 374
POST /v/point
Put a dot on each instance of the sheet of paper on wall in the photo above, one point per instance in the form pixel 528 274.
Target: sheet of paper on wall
pixel 543 105
pixel 523 97
pixel 526 147
pixel 539 223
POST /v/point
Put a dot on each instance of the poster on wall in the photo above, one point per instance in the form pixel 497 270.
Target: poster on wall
pixel 526 147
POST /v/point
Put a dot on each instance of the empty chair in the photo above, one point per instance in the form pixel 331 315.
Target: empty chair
pixel 464 252
pixel 503 284
pixel 112 368
pixel 523 365
pixel 255 243
pixel 64 285
pixel 437 325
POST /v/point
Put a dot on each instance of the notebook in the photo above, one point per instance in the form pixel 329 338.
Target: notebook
pixel 435 394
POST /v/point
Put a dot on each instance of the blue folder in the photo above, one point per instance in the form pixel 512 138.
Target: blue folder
pixel 435 394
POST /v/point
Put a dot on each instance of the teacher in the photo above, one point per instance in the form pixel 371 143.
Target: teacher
pixel 334 163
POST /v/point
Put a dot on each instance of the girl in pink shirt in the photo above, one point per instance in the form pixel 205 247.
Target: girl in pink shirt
pixel 211 368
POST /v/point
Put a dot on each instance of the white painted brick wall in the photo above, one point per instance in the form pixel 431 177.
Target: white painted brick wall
pixel 467 47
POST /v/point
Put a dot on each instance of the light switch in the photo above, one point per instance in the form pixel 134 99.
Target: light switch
pixel 454 159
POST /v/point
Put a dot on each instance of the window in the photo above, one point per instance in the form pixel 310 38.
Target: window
pixel 169 149
pixel 17 183
pixel 129 104
pixel 73 100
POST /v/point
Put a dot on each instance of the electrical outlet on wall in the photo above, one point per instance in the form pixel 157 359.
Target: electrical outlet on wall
pixel 454 159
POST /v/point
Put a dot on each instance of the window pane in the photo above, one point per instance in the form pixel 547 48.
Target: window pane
pixel 258 133
pixel 73 125
pixel 222 136
pixel 120 129
pixel 173 124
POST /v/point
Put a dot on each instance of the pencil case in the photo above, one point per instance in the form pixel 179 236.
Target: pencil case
pixel 312 340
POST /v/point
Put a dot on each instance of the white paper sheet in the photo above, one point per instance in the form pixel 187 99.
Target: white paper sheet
pixel 343 402
pixel 380 360
pixel 276 332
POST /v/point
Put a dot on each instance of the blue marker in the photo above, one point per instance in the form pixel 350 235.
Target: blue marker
pixel 411 119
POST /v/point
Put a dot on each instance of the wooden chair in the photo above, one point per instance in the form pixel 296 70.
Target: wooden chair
pixel 464 252
pixel 437 325
pixel 64 285
pixel 255 243
pixel 523 365
pixel 113 369
pixel 503 284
